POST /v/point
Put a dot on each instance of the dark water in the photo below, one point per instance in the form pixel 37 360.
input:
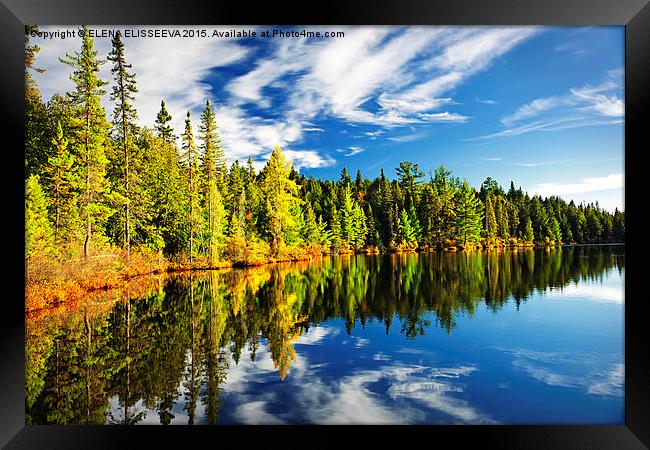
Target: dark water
pixel 527 336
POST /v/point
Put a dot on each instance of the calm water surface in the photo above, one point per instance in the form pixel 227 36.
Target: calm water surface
pixel 526 336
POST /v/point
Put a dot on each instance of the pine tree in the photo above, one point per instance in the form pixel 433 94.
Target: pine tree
pixel 490 221
pixel 39 235
pixel 359 191
pixel 214 176
pixel 311 232
pixel 90 135
pixel 324 233
pixel 502 218
pixel 254 199
pixel 415 223
pixel 63 183
pixel 410 176
pixel 360 227
pixel 165 190
pixel 124 117
pixel 335 229
pixel 529 236
pixel 164 129
pixel 347 217
pixel 281 194
pixel 372 238
pixel 444 220
pixel 406 233
pixel 556 232
pixel 191 162
pixel 469 215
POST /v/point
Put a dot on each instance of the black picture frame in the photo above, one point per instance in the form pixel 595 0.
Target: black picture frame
pixel 633 14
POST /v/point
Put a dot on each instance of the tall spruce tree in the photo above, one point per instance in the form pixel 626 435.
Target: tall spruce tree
pixel 281 194
pixel 214 173
pixel 469 216
pixel 124 117
pixel 90 138
pixel 529 235
pixel 163 127
pixel 63 184
pixel 490 221
pixel 191 162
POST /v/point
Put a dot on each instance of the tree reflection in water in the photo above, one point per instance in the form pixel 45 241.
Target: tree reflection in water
pixel 171 348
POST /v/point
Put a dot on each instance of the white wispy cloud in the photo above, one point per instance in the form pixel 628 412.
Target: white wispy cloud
pixel 595 374
pixel 587 105
pixel 383 76
pixel 166 69
pixel 308 158
pixel 374 134
pixel 443 117
pixel 612 181
pixel 407 137
pixel 403 71
pixel 486 101
pixel 351 151
pixel 492 159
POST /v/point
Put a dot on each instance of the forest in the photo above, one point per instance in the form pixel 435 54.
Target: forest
pixel 100 185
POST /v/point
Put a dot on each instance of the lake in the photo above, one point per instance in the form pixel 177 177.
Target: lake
pixel 501 337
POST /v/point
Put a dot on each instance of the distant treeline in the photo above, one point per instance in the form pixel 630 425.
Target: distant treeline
pixel 95 185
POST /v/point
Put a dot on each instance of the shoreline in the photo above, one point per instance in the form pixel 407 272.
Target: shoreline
pixel 73 292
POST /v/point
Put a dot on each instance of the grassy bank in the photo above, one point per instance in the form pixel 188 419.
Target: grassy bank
pixel 52 283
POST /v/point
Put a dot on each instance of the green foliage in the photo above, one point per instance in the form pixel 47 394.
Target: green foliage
pixel 90 137
pixel 163 128
pixel 134 186
pixel 528 231
pixel 469 214
pixel 281 194
pixel 39 234
pixel 63 183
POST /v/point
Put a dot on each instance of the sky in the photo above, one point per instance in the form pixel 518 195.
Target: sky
pixel 540 106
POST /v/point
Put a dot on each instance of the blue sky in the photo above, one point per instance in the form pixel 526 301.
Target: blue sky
pixel 542 106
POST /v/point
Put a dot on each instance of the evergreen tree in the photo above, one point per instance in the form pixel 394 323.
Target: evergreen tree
pixel 372 238
pixel 63 183
pixel 164 129
pixel 90 136
pixel 191 162
pixel 335 229
pixel 415 223
pixel 281 194
pixel 311 232
pixel 348 230
pixel 166 192
pixel 360 227
pixel 324 233
pixel 469 215
pixel 124 117
pixel 502 218
pixel 406 232
pixel 528 236
pixel 556 232
pixel 444 220
pixel 213 179
pixel 410 177
pixel 39 235
pixel 490 221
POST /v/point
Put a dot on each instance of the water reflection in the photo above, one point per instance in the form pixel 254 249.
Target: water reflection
pixel 168 355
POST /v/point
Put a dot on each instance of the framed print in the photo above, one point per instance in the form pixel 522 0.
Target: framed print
pixel 378 216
